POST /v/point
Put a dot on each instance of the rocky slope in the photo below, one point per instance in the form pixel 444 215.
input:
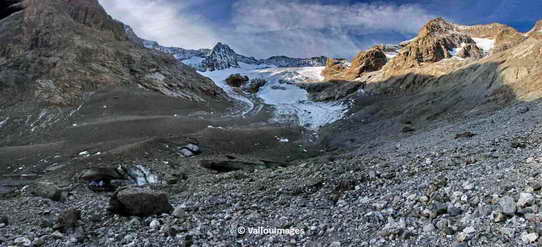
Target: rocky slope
pixel 442 49
pixel 56 51
pixel 178 53
pixel 440 146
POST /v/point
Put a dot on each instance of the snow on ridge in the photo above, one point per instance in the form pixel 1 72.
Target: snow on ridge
pixel 485 44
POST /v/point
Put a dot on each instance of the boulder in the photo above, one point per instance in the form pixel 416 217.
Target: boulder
pixel 46 190
pixel 470 50
pixel 185 152
pixel 99 179
pixel 67 220
pixel 229 165
pixel 139 201
pixel 101 174
pixel 193 147
pixel 4 220
pixel 237 80
pixel 254 85
pixel 366 61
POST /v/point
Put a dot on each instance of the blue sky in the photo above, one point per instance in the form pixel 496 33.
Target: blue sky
pixel 303 28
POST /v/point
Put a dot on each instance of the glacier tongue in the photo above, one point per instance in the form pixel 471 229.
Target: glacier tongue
pixel 290 101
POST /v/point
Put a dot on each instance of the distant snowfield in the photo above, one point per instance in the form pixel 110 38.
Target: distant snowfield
pixel 485 44
pixel 282 92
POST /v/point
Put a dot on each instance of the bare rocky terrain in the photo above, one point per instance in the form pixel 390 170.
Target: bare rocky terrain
pixel 106 143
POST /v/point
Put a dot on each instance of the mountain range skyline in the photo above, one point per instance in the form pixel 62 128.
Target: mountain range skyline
pixel 264 28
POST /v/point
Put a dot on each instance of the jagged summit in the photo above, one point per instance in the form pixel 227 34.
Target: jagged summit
pixel 222 56
pixel 437 40
pixel 437 26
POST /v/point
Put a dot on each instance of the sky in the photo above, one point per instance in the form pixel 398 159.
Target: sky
pixel 305 28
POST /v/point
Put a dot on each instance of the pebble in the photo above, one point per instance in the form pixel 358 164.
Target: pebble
pixel 523 109
pixel 468 186
pixel 335 244
pixel 57 234
pixel 529 237
pixel 429 228
pixel 525 199
pixel 498 217
pixel 155 224
pixel 179 212
pixel 22 241
pixel 508 205
pixel 466 234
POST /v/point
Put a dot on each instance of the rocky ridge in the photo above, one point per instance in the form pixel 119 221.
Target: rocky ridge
pixel 58 68
pixel 440 49
pixel 222 56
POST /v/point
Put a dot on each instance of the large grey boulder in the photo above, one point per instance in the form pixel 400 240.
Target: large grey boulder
pixel 46 190
pixel 138 201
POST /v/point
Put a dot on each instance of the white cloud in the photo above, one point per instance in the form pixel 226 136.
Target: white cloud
pixel 163 21
pixel 303 29
pixel 264 28
pixel 277 15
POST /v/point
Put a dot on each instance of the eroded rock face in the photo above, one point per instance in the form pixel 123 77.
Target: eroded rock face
pixel 434 43
pixel 507 39
pixel 366 61
pixel 469 50
pixel 56 51
pixel 494 55
pixel 138 201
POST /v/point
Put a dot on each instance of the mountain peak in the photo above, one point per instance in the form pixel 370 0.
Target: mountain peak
pixel 221 57
pixel 437 26
pixel 222 46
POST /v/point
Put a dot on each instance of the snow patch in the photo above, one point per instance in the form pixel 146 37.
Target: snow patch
pixel 219 77
pixel 282 140
pixel 291 102
pixel 142 175
pixel 391 55
pixel 485 44
pixel 194 61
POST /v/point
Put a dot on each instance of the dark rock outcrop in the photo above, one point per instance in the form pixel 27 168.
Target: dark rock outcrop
pixel 57 51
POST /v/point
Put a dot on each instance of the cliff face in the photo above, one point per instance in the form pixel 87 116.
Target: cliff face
pixel 440 48
pixel 56 51
pixel 366 61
